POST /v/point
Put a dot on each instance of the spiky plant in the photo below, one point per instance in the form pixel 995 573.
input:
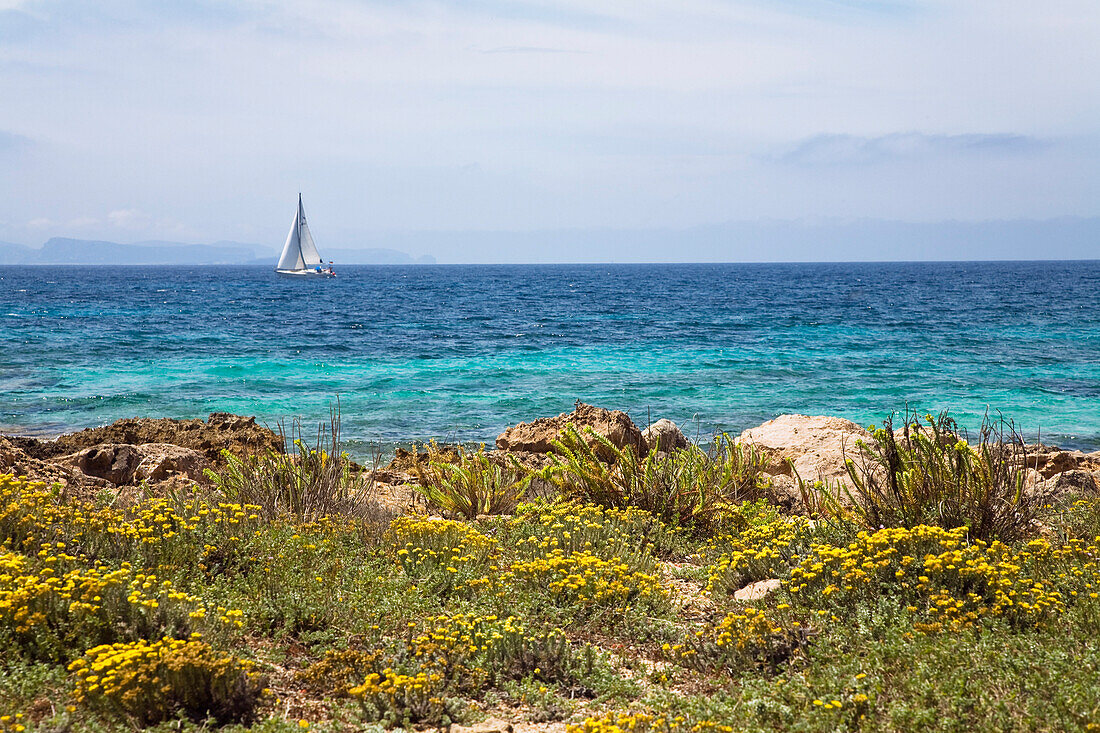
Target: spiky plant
pixel 927 473
pixel 690 487
pixel 470 485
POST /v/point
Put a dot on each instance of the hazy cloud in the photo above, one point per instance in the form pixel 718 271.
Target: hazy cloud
pixel 129 219
pixel 826 150
pixel 526 49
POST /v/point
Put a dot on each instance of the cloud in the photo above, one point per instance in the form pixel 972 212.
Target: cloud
pixel 854 150
pixel 527 49
pixel 129 219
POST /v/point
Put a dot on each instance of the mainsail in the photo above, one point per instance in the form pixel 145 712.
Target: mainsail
pixel 299 252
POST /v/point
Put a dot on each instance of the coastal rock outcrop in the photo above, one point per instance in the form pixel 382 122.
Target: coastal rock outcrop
pixel 1051 461
pixel 123 464
pixel 160 453
pixel 15 460
pixel 665 436
pixel 817 445
pixel 221 431
pixel 1066 485
pixel 538 436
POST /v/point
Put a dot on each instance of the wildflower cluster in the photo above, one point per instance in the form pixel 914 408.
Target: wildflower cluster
pixel 461 654
pixel 150 533
pixel 458 646
pixel 403 699
pixel 51 604
pixel 338 671
pixel 742 639
pixel 760 551
pixel 150 681
pixel 423 544
pixel 581 578
pixel 570 527
pixel 645 723
pixel 948 582
pixel 12 723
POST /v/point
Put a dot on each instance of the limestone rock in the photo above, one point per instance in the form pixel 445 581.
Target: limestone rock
pixel 1066 485
pixel 122 464
pixel 665 436
pixel 114 462
pixel 159 461
pixel 1051 462
pixel 538 436
pixel 221 431
pixel 15 461
pixel 783 492
pixel 759 589
pixel 817 445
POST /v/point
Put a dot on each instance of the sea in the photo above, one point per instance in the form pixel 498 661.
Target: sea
pixel 458 353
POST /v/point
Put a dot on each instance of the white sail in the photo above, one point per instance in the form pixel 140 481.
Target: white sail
pixel 291 258
pixel 310 255
pixel 299 253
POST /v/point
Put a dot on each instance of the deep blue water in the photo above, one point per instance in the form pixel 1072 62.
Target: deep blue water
pixel 460 352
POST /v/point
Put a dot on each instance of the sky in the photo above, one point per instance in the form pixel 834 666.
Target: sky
pixel 200 121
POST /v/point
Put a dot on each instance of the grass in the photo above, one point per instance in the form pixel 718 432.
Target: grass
pixel 589 615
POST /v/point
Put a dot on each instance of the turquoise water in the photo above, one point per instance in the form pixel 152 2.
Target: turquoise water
pixel 460 352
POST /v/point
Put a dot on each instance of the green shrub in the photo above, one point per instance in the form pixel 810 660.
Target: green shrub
pixel 150 682
pixel 309 483
pixel 628 535
pixel 744 639
pixel 470 486
pixel 930 475
pixel 690 488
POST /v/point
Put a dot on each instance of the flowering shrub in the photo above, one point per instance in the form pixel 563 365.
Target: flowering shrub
pixel 422 544
pixel 151 681
pixel 402 699
pixel 946 582
pixel 337 672
pixel 581 578
pixel 12 723
pixel 151 533
pixel 645 723
pixel 569 527
pixel 50 610
pixel 463 655
pixel 758 552
pixel 743 638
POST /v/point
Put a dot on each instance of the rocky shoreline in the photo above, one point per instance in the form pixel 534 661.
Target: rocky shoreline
pixel 159 455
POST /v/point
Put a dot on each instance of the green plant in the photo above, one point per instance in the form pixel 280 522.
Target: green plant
pixel 929 474
pixel 309 483
pixel 338 671
pixel 472 485
pixel 745 638
pixel 690 487
pixel 149 682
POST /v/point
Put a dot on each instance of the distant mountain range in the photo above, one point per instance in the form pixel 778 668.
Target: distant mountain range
pixel 64 251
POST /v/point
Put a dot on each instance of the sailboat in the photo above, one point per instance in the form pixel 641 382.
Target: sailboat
pixel 300 256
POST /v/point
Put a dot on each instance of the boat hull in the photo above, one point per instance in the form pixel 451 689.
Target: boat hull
pixel 304 273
